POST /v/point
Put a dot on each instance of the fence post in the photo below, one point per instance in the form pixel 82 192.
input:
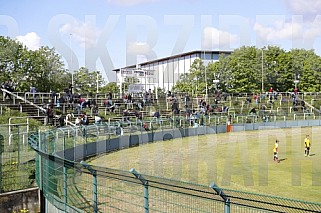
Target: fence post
pixel 219 191
pixel 65 188
pixel 145 184
pixel 94 174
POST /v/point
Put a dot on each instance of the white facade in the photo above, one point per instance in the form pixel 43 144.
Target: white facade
pixel 165 72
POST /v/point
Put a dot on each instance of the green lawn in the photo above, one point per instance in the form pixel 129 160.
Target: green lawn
pixel 241 161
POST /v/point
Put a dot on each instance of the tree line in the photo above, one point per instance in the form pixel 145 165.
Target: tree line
pixel 251 70
pixel 44 70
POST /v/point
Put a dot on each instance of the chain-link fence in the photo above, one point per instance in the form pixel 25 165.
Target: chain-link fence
pixel 72 186
pixel 17 159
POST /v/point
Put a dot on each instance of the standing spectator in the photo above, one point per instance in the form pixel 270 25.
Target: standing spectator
pixel 33 91
pixel 7 86
pixel 50 115
pixel 129 98
pixel 53 97
pixel 61 120
pixel 110 96
pixel 149 96
pixel 70 89
pixel 187 99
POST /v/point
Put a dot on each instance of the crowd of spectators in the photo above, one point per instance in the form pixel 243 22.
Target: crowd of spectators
pixel 179 104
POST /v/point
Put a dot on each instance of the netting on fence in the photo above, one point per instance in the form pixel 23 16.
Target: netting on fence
pixel 78 187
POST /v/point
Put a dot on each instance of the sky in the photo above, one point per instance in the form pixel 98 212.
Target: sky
pixel 107 34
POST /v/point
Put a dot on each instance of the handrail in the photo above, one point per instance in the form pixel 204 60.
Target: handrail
pixel 30 103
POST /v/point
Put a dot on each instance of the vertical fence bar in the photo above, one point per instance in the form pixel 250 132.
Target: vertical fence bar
pixel 145 184
pixel 146 202
pixel 1 151
pixel 95 193
pixel 65 188
pixel 226 199
pixel 227 206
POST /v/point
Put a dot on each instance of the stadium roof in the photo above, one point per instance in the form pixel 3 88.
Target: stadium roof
pixel 175 56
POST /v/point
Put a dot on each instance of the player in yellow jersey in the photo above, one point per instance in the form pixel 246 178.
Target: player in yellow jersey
pixel 307 146
pixel 275 151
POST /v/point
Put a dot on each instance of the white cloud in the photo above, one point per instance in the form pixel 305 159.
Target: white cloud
pixel 278 31
pixel 281 30
pixel 304 7
pixel 83 33
pixel 31 40
pixel 130 2
pixel 138 48
pixel 217 39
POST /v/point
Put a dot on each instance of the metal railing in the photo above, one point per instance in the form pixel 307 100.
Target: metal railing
pixel 73 186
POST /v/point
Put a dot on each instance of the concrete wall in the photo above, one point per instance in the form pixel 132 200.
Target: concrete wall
pixel 18 200
pixel 91 149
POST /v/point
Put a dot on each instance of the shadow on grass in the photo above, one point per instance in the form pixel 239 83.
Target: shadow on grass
pixel 282 159
pixel 312 154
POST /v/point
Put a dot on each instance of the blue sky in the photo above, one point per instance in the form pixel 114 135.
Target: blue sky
pixel 107 34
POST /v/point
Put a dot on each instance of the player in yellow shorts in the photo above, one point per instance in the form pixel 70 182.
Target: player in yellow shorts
pixel 307 146
pixel 275 151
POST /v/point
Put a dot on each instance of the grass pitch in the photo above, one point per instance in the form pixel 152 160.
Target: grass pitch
pixel 236 160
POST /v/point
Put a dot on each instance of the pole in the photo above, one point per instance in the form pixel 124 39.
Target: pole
pixel 145 184
pixel 1 151
pixel 65 187
pixel 93 172
pixel 262 72
pixel 97 84
pixel 70 69
pixel 205 78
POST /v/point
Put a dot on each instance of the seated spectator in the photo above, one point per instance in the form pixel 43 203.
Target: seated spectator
pixel 138 115
pixel 145 126
pixel 126 115
pixel 156 114
pixel 140 105
pixel 78 121
pixel 265 118
pixel 197 115
pixel 85 103
pixel 85 119
pixel 94 110
pixel 109 105
pixel 98 119
pixel 252 111
pixel 226 109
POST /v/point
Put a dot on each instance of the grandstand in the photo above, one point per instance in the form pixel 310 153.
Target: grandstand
pixel 223 110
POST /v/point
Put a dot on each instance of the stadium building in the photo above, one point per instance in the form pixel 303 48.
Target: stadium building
pixel 165 72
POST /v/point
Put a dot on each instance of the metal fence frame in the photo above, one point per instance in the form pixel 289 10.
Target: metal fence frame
pixel 65 181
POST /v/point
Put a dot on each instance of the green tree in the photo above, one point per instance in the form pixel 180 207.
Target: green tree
pixel 306 67
pixel 44 70
pixel 41 68
pixel 194 81
pixel 110 87
pixel 86 82
pixel 12 59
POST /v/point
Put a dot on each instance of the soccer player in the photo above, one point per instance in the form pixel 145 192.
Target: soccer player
pixel 307 146
pixel 275 151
